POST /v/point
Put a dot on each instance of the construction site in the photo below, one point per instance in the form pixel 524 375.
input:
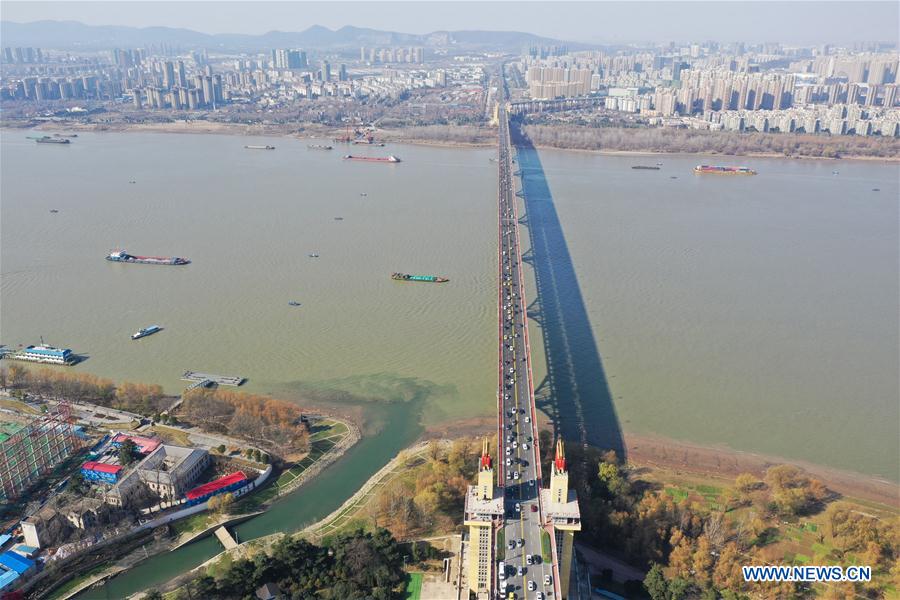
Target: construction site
pixel 30 450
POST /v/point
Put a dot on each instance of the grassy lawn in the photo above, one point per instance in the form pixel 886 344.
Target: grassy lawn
pixel 501 545
pixel 70 585
pixel 172 435
pixel 191 524
pixel 414 587
pixel 18 405
pixel 545 547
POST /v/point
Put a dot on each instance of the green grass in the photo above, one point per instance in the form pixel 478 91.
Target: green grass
pixel 677 494
pixel 501 545
pixel 70 585
pixel 546 548
pixel 414 587
pixel 191 524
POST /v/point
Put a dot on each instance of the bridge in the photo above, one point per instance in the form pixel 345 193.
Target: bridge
pixel 517 524
pixel 524 107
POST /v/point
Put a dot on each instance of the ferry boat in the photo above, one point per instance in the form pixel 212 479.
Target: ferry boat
pixel 42 353
pixel 426 278
pixel 122 256
pixel 260 147
pixel 388 159
pixel 145 332
pixel 717 170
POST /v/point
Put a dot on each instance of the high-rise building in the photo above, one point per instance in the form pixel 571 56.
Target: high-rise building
pixel 562 513
pixel 483 511
pixel 168 75
pixel 180 74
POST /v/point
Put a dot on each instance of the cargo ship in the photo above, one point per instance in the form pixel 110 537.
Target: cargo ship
pixel 122 256
pixel 717 170
pixel 426 278
pixel 145 332
pixel 259 147
pixel 53 140
pixel 388 159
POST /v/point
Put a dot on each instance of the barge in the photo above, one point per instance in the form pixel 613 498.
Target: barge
pixel 425 278
pixel 718 170
pixel 387 159
pixel 122 256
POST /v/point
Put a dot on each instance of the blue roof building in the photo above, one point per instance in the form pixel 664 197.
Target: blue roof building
pixel 7 579
pixel 16 563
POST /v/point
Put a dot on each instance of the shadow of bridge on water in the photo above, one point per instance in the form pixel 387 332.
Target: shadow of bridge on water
pixel 575 393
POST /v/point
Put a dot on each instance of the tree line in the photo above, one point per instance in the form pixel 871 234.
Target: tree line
pixel 355 566
pixel 695 549
pixel 692 141
pixel 141 398
pixel 271 423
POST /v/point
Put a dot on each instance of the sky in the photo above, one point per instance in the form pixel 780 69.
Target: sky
pixel 800 22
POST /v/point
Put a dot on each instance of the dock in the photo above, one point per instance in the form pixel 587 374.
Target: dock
pixel 206 379
pixel 227 541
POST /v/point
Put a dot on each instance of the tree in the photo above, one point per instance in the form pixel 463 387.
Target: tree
pixel 127 452
pixel 220 448
pixel 153 594
pixel 655 583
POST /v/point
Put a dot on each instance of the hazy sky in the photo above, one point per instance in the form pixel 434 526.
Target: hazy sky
pixel 723 20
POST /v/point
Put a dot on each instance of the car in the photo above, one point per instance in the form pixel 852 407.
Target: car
pixel 520 542
pixel 518 506
pixel 516 475
pixel 528 419
pixel 529 561
pixel 547 580
pixel 511 596
pixel 515 444
pixel 539 595
pixel 508 462
pixel 533 506
pixel 531 586
pixel 529 439
pixel 508 475
pixel 521 571
pixel 511 545
pixel 531 483
pixel 524 446
pixel 508 451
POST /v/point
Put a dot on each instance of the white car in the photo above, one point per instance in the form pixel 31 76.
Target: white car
pixel 515 444
pixel 528 419
pixel 539 595
pixel 524 446
pixel 531 586
pixel 516 475
pixel 508 462
pixel 518 506
pixel 547 580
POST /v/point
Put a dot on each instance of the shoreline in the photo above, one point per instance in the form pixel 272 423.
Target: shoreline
pixel 709 460
pixel 395 136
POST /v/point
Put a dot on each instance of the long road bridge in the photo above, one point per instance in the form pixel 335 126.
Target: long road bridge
pixel 513 522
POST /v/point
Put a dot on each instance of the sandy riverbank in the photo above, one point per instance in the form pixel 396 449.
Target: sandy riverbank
pixel 404 136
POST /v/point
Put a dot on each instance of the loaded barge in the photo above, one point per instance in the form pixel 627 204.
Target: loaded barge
pixel 122 256
pixel 426 278
pixel 388 159
pixel 717 170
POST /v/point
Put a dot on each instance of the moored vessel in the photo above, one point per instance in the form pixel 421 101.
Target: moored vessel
pixel 144 332
pixel 388 159
pixel 53 140
pixel 425 278
pixel 719 170
pixel 260 147
pixel 42 353
pixel 122 256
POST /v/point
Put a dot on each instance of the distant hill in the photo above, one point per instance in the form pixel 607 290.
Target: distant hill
pixel 73 35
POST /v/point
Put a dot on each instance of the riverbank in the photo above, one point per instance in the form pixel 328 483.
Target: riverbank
pixel 462 136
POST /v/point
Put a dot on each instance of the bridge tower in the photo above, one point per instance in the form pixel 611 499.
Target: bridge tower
pixel 563 518
pixel 484 510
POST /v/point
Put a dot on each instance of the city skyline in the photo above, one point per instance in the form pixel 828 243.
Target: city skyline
pixel 596 22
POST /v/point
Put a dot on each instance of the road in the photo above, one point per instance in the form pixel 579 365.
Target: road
pixel 519 472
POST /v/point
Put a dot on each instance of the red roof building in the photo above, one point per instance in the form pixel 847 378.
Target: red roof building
pixel 227 483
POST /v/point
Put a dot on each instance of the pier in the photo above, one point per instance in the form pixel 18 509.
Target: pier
pixel 206 379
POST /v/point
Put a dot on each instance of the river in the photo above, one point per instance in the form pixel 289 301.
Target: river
pixel 757 313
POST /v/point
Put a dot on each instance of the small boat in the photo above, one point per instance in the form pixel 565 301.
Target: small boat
pixel 132 181
pixel 266 147
pixel 313 255
pixel 363 194
pixel 53 210
pixel 658 164
pixel 319 147
pixel 293 303
pixel 673 177
pixel 645 167
pixel 834 172
pixel 876 190
pixel 146 331
pixel 339 218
